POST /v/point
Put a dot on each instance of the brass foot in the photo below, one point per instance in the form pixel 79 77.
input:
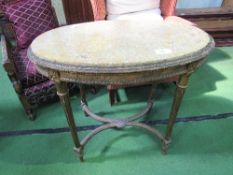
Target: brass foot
pixel 79 152
pixel 165 145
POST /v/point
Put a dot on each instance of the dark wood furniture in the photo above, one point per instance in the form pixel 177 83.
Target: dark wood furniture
pixel 218 22
pixel 77 11
pixel 129 60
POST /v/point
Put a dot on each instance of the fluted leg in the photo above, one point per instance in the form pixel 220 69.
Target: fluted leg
pixel 180 90
pixel 63 93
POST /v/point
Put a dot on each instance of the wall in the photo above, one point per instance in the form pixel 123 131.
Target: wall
pixel 199 3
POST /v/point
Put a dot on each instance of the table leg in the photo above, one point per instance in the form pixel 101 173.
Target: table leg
pixel 151 97
pixel 63 93
pixel 180 90
pixel 152 93
pixel 83 96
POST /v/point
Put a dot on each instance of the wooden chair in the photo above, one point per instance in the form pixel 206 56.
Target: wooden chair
pixel 25 21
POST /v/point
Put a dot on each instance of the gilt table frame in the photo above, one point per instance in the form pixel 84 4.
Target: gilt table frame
pixel 60 78
pixel 61 74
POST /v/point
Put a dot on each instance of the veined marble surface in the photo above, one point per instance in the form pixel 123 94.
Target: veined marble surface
pixel 119 44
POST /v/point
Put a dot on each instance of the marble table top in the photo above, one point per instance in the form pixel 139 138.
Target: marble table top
pixel 120 46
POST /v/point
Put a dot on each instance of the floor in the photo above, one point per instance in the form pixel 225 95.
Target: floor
pixel 202 139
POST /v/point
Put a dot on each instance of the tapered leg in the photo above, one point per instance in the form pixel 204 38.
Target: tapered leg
pixel 63 93
pixel 180 90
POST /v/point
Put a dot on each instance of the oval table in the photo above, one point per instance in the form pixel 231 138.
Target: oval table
pixel 120 53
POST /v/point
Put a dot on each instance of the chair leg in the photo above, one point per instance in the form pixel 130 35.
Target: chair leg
pixel 25 103
pixel 27 106
pixel 112 97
